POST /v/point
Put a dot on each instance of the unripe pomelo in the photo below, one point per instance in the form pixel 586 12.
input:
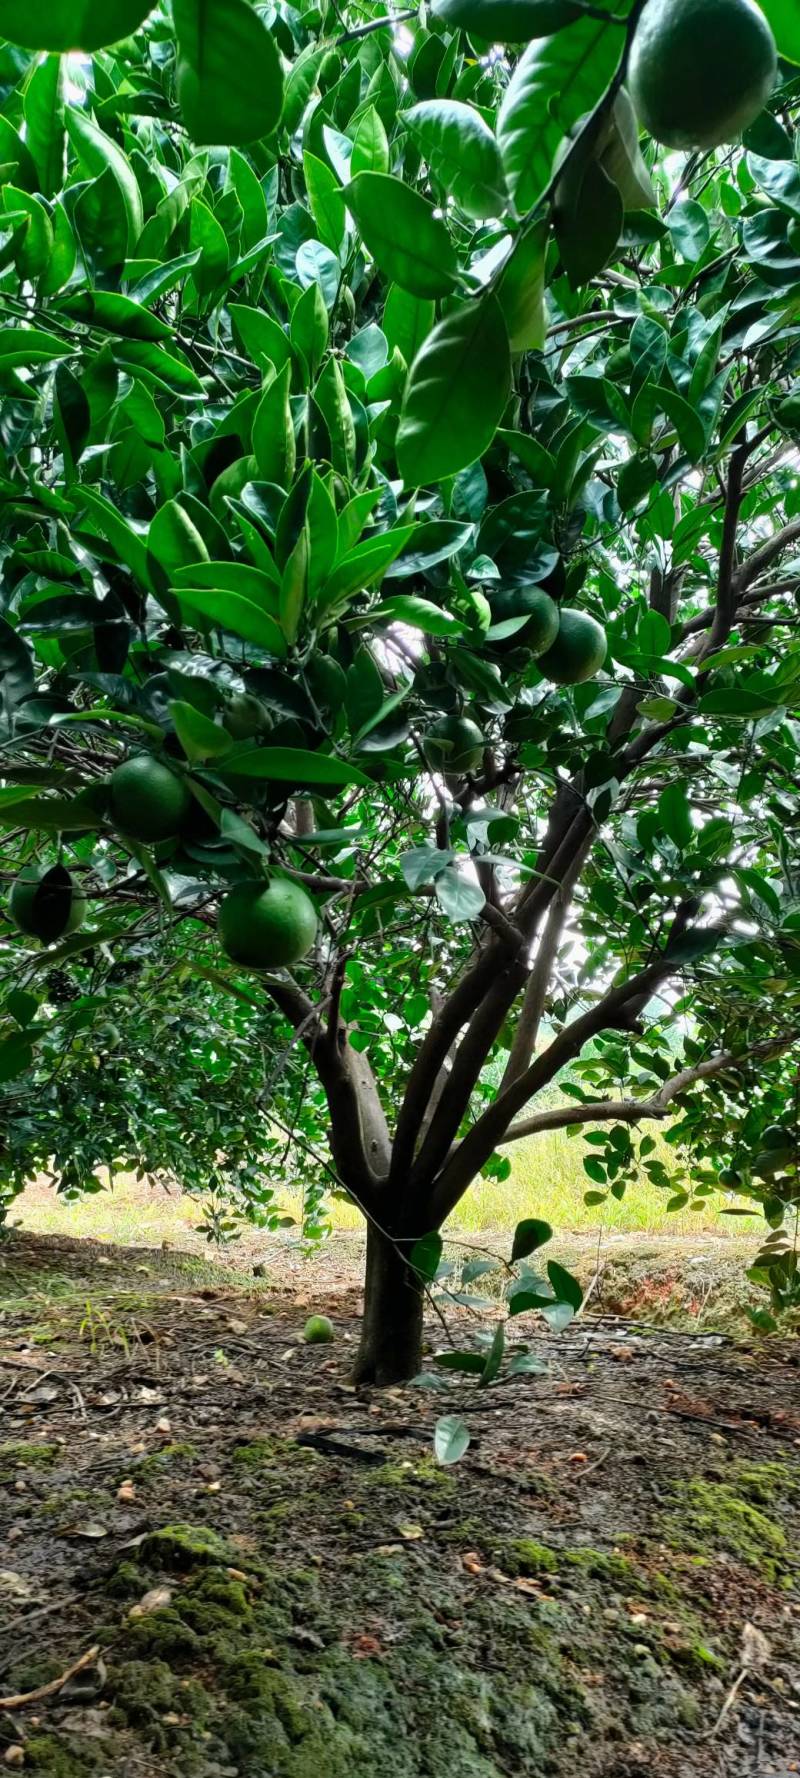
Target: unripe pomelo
pixel 454 744
pixel 579 649
pixel 46 902
pixel 148 801
pixel 267 925
pixel 776 1136
pixel 318 1331
pixel 541 629
pixel 700 71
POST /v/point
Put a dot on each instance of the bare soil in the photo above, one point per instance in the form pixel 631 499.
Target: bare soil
pixel 279 1581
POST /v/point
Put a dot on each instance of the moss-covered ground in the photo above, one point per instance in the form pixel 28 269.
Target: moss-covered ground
pixel 283 1583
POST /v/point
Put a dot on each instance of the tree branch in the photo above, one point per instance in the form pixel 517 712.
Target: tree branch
pixel 727 591
pixel 632 1111
pixel 474 1151
pixel 359 1138
pixel 764 556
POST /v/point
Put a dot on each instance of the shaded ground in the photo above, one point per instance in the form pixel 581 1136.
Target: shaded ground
pixel 281 1583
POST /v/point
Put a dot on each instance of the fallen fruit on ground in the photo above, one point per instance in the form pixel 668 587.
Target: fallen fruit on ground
pixel 700 71
pixel 318 1331
pixel 148 801
pixel 46 902
pixel 454 744
pixel 267 925
pixel 579 649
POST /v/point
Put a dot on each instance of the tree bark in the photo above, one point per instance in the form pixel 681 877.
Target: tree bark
pixel 390 1349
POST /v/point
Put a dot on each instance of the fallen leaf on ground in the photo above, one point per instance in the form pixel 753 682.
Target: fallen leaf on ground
pixel 155 1600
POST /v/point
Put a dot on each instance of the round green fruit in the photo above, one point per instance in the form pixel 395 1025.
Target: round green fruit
pixel 507 21
pixel 787 413
pixel 46 902
pixel 318 1331
pixel 267 925
pixel 454 744
pixel 579 649
pixel 148 801
pixel 540 632
pixel 776 1136
pixel 700 71
pixel 730 1178
pixel 244 716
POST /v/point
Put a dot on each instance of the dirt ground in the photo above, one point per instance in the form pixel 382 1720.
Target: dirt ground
pixel 264 1574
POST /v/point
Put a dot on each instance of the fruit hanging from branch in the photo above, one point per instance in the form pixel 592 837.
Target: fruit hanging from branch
pixel 46 902
pixel 267 925
pixel 148 801
pixel 700 71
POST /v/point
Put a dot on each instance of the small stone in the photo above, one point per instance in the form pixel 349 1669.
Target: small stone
pixel 126 1492
pixel 14 1755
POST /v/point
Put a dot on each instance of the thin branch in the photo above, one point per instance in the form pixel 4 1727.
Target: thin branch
pixel 764 556
pixel 726 581
pixel 634 1111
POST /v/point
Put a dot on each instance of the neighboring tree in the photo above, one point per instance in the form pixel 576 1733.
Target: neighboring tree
pixel 401 541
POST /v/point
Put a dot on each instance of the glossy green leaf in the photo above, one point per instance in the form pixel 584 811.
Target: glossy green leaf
pixel 401 230
pixel 370 145
pixel 462 154
pixel 229 76
pixel 785 21
pixel 296 765
pixel 529 1236
pixel 199 738
pixel 70 24
pixel 326 202
pixel 229 611
pixel 556 81
pixel 508 21
pixel 450 1439
pixel 44 123
pixel 456 394
pixel 273 432
pixel 98 154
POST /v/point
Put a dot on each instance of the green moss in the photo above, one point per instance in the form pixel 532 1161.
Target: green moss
pixel 158 1461
pixel 186 1546
pixel 717 1516
pixel 524 1556
pixel 45 1753
pixel 424 1473
pixel 271 1453
pixel 603 1565
pixel 18 1454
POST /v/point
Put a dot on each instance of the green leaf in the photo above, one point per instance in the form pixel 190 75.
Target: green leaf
pixel 400 229
pixel 365 564
pixel 199 738
pixel 116 314
pixel 370 145
pixel 508 21
pixel 589 217
pixel 456 394
pixel 332 400
pixel 425 1256
pixel 556 81
pixel 407 321
pixel 98 154
pixel 326 202
pixel 27 345
pixel 229 77
pixel 33 238
pixel 229 611
pixel 296 765
pixel 462 154
pixel 419 614
pixel 494 1357
pixel 44 122
pixel 675 816
pixel 262 338
pixel 459 896
pixel 566 1287
pixel 208 239
pixel 529 1236
pixel 688 425
pixel 520 292
pixel 70 24
pixel 274 446
pixel 470 1363
pixel 450 1439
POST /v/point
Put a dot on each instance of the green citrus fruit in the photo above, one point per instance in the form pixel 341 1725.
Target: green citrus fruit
pixel 267 925
pixel 776 1136
pixel 542 627
pixel 507 21
pixel 245 716
pixel 729 1177
pixel 579 649
pixel 787 413
pixel 318 1331
pixel 700 71
pixel 148 801
pixel 46 902
pixel 454 744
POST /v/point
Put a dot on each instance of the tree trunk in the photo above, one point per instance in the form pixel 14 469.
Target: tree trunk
pixel 391 1331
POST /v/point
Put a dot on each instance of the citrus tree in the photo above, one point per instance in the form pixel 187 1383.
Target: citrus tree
pixel 400 521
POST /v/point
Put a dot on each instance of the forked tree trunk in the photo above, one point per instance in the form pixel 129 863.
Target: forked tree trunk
pixel 390 1350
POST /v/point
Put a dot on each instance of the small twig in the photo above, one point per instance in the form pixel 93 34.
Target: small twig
pixel 54 1685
